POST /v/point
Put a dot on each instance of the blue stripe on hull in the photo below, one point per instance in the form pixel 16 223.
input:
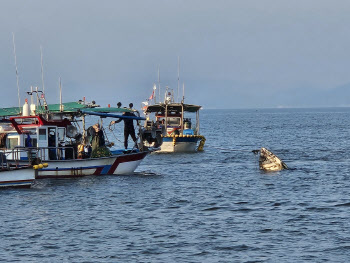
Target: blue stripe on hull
pixel 106 169
pixel 180 139
pixel 74 168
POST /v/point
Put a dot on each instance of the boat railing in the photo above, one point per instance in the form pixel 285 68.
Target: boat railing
pixel 15 157
pixel 45 153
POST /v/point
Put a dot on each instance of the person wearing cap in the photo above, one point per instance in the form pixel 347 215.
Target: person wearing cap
pixel 128 127
pixel 119 104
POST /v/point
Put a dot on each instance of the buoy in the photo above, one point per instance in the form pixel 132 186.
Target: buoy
pixel 25 108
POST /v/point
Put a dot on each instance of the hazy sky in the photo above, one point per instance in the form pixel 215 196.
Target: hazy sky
pixel 233 54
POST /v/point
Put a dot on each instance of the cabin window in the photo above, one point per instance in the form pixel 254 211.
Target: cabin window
pixel 33 142
pixel 12 143
pixel 174 121
pixel 42 134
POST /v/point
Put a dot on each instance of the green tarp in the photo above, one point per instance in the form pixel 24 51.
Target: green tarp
pixel 68 107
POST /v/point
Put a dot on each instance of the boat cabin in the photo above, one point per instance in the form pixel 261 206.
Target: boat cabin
pixel 171 118
pixel 34 132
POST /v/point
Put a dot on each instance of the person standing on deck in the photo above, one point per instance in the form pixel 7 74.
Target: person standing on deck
pixel 128 127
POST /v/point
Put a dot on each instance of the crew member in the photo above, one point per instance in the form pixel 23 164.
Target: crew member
pixel 128 127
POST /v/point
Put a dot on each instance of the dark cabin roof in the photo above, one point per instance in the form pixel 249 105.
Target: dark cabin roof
pixel 173 107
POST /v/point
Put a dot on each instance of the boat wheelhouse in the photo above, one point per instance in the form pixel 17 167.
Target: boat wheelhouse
pixel 178 132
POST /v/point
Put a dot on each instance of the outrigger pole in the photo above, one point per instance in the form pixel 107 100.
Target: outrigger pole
pixel 14 52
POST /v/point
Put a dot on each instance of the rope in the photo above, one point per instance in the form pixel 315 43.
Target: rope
pixel 115 137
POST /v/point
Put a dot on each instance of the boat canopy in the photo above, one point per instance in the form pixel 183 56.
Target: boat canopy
pixel 103 114
pixel 68 108
pixel 110 110
pixel 173 107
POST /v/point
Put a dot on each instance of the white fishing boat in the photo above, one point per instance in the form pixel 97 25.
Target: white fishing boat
pixel 53 135
pixel 168 127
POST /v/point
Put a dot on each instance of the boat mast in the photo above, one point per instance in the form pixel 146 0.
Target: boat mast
pixel 182 119
pixel 60 86
pixel 14 52
pixel 197 122
pixel 178 78
pixel 42 69
pixel 159 84
pixel 183 92
pixel 31 95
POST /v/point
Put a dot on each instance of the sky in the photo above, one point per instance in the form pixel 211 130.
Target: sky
pixel 233 54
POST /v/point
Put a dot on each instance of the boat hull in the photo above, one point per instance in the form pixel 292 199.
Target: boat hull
pixel 17 177
pixel 179 144
pixel 115 164
pixel 269 162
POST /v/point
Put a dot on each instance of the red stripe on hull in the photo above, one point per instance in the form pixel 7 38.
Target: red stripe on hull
pixel 98 171
pixel 126 158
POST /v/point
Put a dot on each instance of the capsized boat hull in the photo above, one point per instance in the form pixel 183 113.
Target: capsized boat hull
pixel 270 162
pixel 179 144
pixel 17 177
pixel 115 164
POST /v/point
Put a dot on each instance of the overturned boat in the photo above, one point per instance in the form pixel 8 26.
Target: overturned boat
pixel 269 162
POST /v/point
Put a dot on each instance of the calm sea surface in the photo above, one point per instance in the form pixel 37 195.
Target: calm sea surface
pixel 213 206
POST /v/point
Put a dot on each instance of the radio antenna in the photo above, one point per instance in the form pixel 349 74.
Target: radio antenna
pixel 178 78
pixel 159 85
pixel 14 52
pixel 60 86
pixel 42 69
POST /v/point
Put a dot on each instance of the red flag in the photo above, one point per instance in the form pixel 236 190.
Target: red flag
pixel 151 97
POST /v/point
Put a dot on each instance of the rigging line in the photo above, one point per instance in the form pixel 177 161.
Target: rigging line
pixel 105 133
pixel 112 131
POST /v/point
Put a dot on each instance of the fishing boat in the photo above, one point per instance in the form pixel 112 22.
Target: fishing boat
pixel 170 128
pixel 56 134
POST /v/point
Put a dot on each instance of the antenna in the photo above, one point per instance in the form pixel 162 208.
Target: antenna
pixel 61 105
pixel 14 52
pixel 178 77
pixel 159 84
pixel 42 69
pixel 183 92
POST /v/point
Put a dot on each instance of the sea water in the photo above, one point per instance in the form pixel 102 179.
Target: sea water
pixel 212 206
